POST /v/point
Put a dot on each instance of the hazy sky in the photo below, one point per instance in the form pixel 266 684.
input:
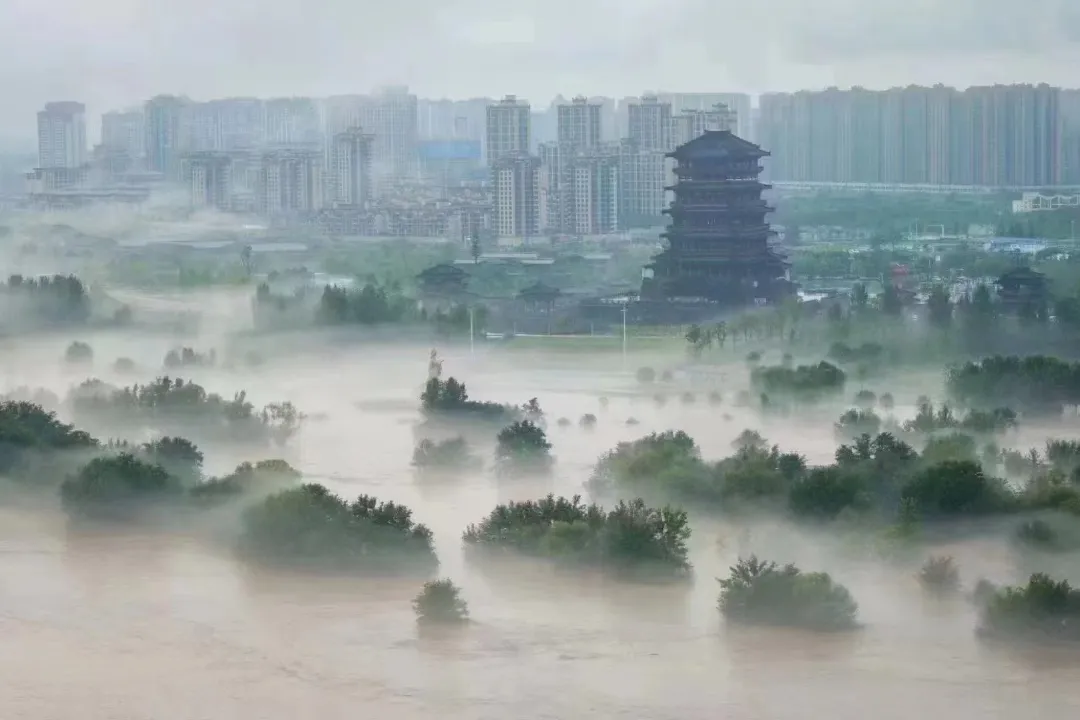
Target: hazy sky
pixel 111 53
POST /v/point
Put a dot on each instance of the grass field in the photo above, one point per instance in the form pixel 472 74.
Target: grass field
pixel 591 344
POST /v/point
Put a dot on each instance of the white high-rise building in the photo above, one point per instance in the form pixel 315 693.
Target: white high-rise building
pixel 650 125
pixel 209 175
pixel 350 168
pixel 228 124
pixel 62 135
pixel 395 128
pixel 739 103
pixel 516 181
pixel 290 183
pixel 509 129
pixel 580 125
pixel 124 133
pixel 593 194
pixel 642 177
pixel 292 122
pixel 692 124
pixel 168 134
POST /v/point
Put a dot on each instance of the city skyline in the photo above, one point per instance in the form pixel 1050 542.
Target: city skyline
pixel 116 54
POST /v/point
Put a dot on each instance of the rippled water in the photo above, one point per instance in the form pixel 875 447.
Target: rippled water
pixel 153 627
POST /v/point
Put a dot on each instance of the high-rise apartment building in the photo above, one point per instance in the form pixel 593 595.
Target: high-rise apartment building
pixel 62 135
pixel 739 103
pixel 452 119
pixel 209 174
pixel 999 136
pixel 290 183
pixel 351 181
pixel 690 124
pixel 649 124
pixel 395 128
pixel 124 132
pixel 390 115
pixel 168 134
pixel 228 124
pixel 516 185
pixel 509 129
pixel 592 193
pixel 292 122
pixel 579 124
pixel 643 175
pixel 123 144
pixel 1070 137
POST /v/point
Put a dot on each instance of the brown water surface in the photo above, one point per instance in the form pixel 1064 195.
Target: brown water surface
pixel 151 627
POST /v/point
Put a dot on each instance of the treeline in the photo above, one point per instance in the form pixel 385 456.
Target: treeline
pixel 874 477
pixel 44 302
pixel 369 305
pixel 184 407
pixel 865 335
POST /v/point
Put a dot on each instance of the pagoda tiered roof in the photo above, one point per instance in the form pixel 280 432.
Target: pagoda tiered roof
pixel 718 144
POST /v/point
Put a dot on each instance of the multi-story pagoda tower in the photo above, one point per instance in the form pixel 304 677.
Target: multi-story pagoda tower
pixel 718 247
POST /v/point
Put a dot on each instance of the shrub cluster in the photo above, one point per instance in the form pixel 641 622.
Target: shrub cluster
pixel 763 593
pixel 630 537
pixel 310 527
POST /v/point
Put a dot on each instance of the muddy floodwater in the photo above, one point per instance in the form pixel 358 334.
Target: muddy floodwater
pixel 153 627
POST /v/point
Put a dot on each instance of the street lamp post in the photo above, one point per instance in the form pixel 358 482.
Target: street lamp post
pixel 472 332
pixel 624 308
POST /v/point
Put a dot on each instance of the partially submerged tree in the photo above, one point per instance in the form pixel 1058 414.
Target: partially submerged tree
pixel 522 448
pixel 939 575
pixel 631 538
pixel 449 456
pixel 79 353
pixel 248 479
pixel 440 603
pixel 1042 609
pixel 110 488
pixel 310 527
pixel 758 592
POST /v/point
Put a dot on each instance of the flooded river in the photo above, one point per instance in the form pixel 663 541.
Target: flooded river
pixel 146 627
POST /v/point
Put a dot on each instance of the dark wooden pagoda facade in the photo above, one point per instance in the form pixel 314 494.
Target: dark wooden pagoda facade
pixel 718 247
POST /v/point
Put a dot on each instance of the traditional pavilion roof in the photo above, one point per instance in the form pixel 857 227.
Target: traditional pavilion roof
pixel 1020 275
pixel 718 144
pixel 442 272
pixel 539 290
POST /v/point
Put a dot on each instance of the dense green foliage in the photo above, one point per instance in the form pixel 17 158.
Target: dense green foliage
pixel 440 603
pixel 1035 385
pixel 309 526
pixel 1044 608
pixel 113 487
pixel 449 399
pixel 79 353
pixel 940 576
pixel 450 455
pixel 33 439
pixel 370 304
pixel 670 464
pixel 762 593
pixel 876 476
pixel 176 455
pixel 187 357
pixel 522 448
pixel 175 405
pixel 854 423
pixel 631 537
pixel 805 381
pixel 45 302
pixel 246 479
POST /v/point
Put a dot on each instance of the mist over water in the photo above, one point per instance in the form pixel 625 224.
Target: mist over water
pixel 153 625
